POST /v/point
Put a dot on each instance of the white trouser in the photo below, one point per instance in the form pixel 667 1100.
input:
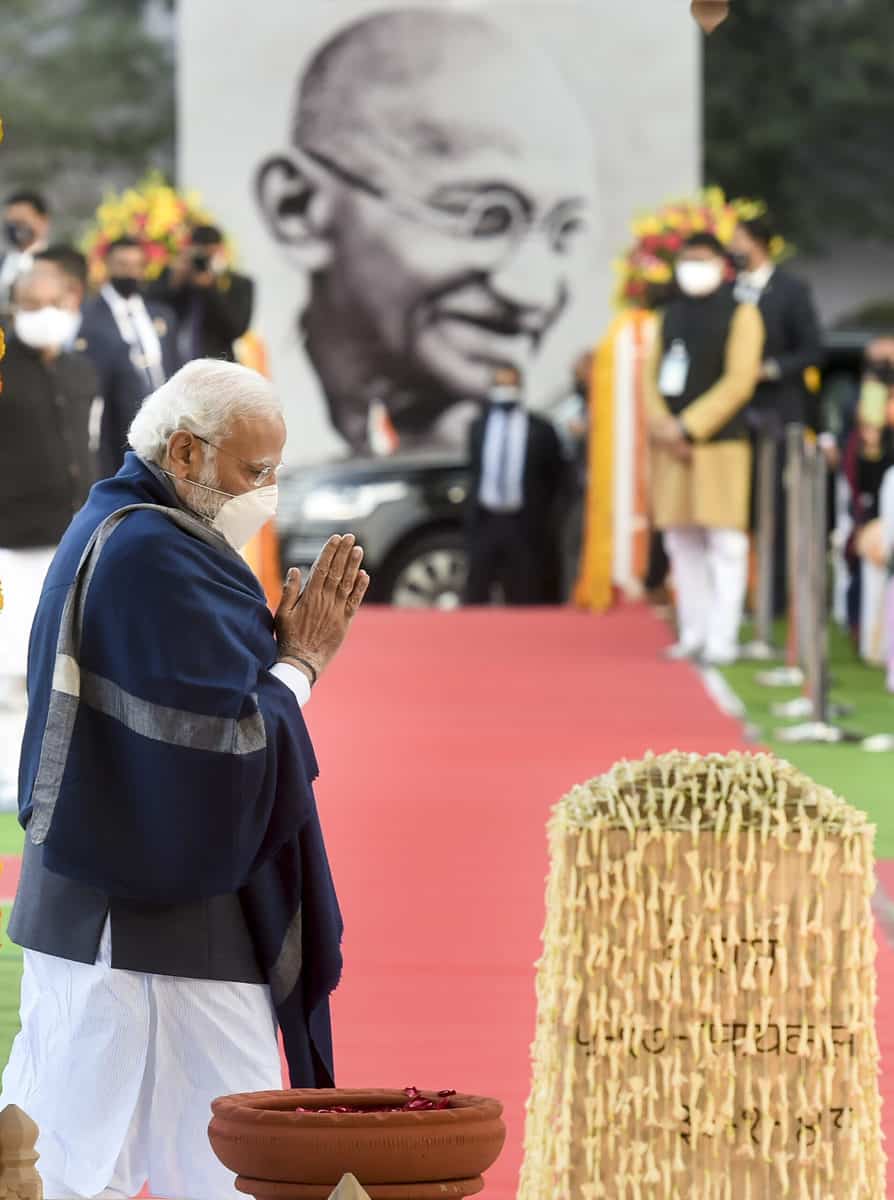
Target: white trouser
pixel 119 1069
pixel 22 573
pixel 710 570
pixel 873 630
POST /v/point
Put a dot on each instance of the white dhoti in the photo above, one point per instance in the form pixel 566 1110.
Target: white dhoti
pixel 119 1069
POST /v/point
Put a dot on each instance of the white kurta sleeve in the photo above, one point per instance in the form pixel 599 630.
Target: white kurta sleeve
pixel 296 681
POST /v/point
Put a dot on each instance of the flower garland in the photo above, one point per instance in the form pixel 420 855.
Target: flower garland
pixel 156 214
pixel 648 264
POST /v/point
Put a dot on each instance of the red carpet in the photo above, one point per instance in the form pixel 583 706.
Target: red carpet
pixel 443 741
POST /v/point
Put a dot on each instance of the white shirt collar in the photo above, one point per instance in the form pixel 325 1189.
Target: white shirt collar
pixel 116 301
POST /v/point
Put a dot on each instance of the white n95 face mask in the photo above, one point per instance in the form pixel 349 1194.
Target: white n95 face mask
pixel 46 328
pixel 242 516
pixel 698 277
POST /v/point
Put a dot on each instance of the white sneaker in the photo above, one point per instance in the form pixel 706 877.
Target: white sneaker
pixel 719 660
pixel 682 652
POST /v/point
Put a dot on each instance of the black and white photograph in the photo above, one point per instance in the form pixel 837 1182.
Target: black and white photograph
pixel 432 192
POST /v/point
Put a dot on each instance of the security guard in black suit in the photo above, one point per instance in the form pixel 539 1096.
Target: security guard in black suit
pixel 119 320
pixel 519 478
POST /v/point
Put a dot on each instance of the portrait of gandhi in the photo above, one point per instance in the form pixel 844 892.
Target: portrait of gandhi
pixel 439 192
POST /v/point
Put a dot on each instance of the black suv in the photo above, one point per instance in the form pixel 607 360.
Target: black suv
pixel 407 513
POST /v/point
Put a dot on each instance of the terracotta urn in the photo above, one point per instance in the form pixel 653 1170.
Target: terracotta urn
pixel 280 1153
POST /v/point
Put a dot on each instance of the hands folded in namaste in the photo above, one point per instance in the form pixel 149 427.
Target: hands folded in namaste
pixel 312 622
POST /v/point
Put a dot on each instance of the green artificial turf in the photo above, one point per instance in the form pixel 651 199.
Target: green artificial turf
pixel 865 780
pixel 11 837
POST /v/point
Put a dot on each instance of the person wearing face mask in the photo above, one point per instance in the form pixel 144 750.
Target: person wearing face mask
pixel 518 476
pixel 703 370
pixel 119 321
pixel 109 355
pixel 26 225
pixel 176 903
pixel 793 344
pixel 213 304
pixel 46 461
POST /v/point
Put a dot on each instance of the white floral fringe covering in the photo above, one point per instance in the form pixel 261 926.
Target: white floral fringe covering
pixel 707 990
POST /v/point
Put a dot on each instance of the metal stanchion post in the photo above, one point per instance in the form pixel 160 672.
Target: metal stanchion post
pixel 762 649
pixel 819 586
pixel 801 641
pixel 819 728
pixel 792 674
pixel 806 565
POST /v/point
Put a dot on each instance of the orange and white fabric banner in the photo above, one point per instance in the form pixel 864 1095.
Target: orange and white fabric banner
pixel 616 532
pixel 262 552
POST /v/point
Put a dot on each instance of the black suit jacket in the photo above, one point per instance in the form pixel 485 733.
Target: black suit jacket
pixel 544 481
pixel 794 342
pixel 47 465
pixel 222 312
pixel 123 387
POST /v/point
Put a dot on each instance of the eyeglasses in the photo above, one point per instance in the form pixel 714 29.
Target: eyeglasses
pixel 261 474
pixel 497 214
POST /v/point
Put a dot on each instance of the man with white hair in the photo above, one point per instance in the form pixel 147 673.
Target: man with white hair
pixel 176 903
pixel 439 192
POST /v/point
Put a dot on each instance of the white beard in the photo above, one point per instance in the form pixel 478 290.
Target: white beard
pixel 206 504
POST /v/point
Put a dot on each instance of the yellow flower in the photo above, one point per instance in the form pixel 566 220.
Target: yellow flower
pixel 660 273
pixel 726 227
pixel 153 210
pixel 165 214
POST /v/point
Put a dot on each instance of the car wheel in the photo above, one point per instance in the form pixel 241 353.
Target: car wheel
pixel 429 573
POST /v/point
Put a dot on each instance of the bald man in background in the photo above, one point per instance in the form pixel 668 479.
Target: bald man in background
pixel 439 193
